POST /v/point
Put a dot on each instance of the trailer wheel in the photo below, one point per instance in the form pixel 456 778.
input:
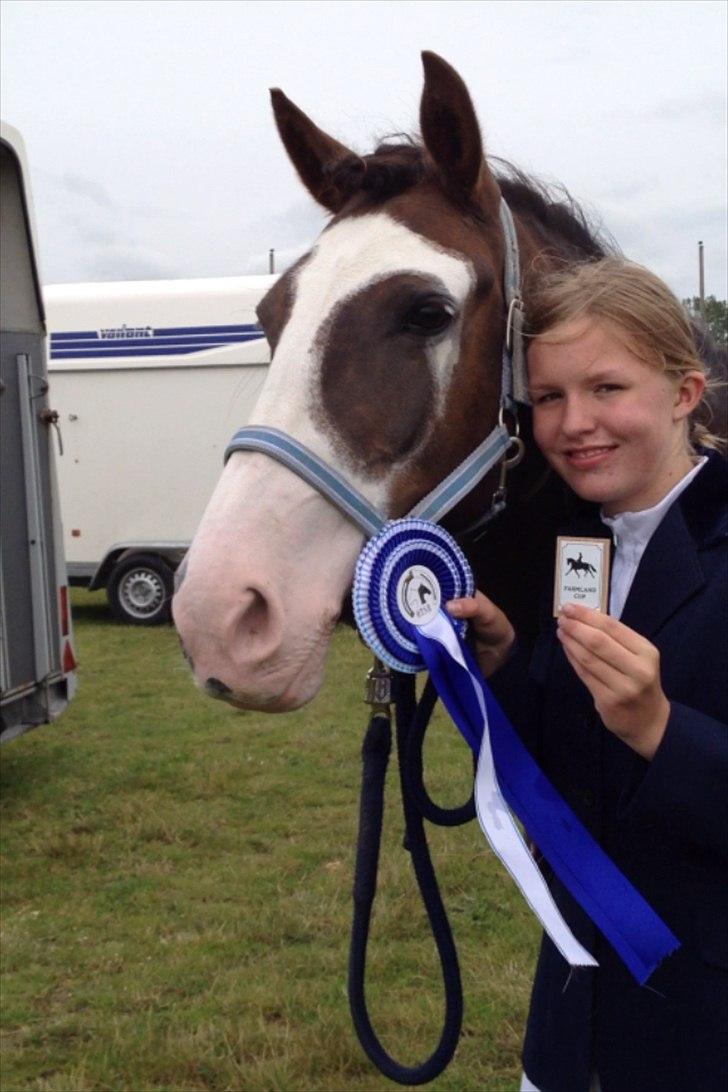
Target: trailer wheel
pixel 140 590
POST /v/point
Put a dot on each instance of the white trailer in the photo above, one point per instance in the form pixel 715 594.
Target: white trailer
pixel 150 379
pixel 37 662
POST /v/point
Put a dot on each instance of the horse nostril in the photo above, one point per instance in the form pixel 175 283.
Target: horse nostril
pixel 255 618
pixel 217 689
pixel 258 626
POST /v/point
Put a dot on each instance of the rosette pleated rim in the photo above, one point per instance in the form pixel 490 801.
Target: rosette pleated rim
pixel 386 558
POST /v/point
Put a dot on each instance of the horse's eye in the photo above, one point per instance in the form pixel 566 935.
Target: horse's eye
pixel 429 318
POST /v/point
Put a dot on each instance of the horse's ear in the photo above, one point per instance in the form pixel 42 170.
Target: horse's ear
pixel 451 133
pixel 311 151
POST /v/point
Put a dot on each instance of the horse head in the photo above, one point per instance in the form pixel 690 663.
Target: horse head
pixel 386 343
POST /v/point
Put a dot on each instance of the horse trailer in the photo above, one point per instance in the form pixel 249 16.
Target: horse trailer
pixel 37 662
pixel 150 379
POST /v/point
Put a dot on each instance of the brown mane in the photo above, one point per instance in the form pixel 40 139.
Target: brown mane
pixel 400 163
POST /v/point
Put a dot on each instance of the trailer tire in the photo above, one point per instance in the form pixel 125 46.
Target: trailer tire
pixel 140 590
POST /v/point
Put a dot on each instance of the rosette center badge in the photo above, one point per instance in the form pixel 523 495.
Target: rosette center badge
pixel 418 595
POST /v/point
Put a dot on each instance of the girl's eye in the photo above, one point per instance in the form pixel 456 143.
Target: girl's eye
pixel 608 388
pixel 430 317
pixel 542 399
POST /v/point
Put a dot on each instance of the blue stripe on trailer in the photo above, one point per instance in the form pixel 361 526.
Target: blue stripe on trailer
pixel 111 352
pixel 150 342
pixel 156 331
pixel 112 342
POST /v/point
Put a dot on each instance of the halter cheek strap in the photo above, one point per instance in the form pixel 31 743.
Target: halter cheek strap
pixel 463 479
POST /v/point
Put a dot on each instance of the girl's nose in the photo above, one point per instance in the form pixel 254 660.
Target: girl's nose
pixel 576 418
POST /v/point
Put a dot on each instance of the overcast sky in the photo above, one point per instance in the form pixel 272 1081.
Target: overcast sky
pixel 153 151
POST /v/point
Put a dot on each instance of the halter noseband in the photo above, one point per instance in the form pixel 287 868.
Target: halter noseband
pixel 463 479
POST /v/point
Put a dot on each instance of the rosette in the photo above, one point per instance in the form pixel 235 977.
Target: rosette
pixel 404 574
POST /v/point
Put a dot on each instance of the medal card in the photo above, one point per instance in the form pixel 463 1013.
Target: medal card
pixel 582 572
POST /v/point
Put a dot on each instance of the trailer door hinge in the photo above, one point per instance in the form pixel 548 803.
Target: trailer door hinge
pixel 51 417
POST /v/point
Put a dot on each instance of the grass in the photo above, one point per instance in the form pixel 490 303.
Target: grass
pixel 177 892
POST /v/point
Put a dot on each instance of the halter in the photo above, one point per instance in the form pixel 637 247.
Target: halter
pixel 463 479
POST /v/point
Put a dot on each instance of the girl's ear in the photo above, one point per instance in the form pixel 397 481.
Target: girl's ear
pixel 689 391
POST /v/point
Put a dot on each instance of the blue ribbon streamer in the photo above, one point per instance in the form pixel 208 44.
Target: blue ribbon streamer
pixel 628 922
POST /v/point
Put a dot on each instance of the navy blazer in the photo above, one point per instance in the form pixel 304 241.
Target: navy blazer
pixel 664 823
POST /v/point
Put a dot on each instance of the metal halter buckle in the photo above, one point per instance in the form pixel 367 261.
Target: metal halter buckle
pixel 510 461
pixel 378 687
pixel 520 450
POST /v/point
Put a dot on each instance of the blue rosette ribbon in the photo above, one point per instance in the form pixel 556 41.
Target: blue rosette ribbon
pixel 404 577
pixel 402 547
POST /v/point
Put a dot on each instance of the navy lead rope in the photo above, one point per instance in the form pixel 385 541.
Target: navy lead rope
pixel 411 720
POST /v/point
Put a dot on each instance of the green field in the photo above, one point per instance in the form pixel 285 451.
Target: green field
pixel 177 892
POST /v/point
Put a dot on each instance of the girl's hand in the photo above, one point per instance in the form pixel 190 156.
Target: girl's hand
pixel 622 672
pixel 494 635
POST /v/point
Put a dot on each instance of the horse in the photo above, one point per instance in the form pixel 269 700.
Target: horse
pixel 386 347
pixel 578 565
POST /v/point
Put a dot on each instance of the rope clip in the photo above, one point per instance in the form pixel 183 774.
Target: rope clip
pixel 378 688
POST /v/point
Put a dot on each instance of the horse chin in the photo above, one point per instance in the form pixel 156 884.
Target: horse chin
pixel 295 696
pixel 286 688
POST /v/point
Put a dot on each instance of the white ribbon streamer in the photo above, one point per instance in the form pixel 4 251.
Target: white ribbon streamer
pixel 499 826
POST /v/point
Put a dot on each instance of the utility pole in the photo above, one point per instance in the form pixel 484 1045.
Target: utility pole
pixel 272 260
pixel 701 277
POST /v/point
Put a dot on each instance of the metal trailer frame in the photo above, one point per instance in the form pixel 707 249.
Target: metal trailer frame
pixel 37 662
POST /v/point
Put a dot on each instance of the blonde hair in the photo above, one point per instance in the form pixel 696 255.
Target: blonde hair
pixel 640 309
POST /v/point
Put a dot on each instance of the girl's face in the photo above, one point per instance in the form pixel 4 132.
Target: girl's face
pixel 612 426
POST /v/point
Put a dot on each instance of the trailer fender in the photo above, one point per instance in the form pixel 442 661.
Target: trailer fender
pixel 171 553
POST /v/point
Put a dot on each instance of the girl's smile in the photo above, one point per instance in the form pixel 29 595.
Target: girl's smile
pixel 588 457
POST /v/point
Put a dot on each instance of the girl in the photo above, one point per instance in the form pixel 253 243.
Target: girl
pixel 626 712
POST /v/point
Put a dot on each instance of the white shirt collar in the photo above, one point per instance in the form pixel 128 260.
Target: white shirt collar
pixel 638 527
pixel 632 531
